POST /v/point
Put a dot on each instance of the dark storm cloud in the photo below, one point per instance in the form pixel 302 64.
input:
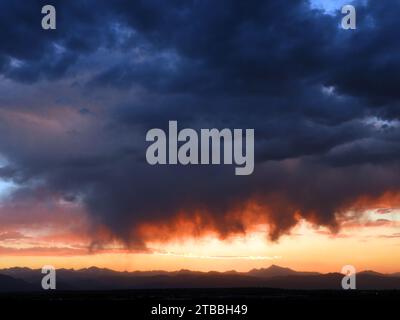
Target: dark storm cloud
pixel 227 47
pixel 29 53
pixel 323 103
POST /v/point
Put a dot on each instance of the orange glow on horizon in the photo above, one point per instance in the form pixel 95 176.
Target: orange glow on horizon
pixel 367 245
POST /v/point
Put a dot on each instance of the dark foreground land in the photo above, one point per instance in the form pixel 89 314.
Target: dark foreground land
pixel 261 303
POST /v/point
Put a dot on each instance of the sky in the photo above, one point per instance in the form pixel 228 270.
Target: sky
pixel 76 103
pixel 329 6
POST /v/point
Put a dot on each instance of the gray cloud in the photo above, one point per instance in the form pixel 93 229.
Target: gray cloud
pixel 78 102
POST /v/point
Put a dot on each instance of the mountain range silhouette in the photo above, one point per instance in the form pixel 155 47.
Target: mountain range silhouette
pixel 93 278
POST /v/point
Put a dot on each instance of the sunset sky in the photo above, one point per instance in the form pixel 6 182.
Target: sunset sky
pixel 76 103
